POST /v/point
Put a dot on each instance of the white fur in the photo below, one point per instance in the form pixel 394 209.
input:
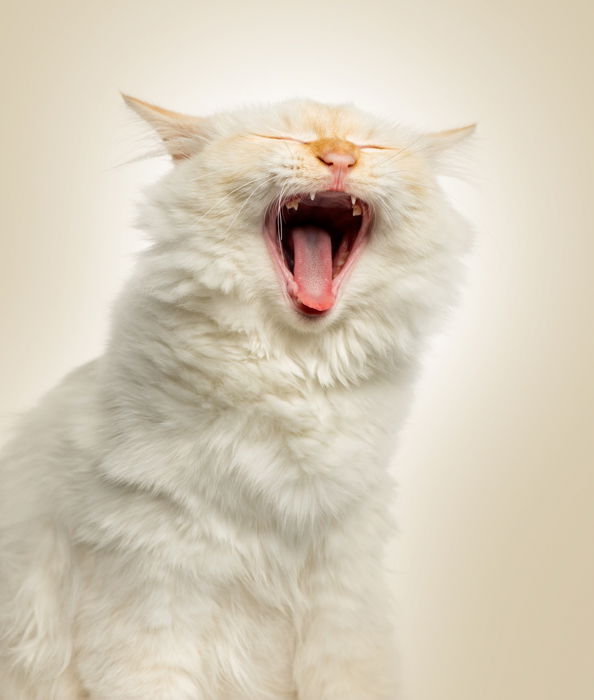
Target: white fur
pixel 201 512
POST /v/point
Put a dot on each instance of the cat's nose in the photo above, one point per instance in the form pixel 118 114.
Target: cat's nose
pixel 339 155
pixel 338 159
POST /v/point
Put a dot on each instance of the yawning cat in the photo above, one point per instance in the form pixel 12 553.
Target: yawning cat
pixel 200 513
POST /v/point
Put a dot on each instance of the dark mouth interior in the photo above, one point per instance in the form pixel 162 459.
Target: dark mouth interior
pixel 335 212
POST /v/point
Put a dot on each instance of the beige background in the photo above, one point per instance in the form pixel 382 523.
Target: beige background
pixel 495 561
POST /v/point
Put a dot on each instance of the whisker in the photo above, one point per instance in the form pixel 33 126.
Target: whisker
pixel 222 202
pixel 400 152
pixel 279 215
pixel 243 206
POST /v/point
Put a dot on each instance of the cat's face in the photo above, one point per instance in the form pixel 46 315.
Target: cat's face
pixel 308 213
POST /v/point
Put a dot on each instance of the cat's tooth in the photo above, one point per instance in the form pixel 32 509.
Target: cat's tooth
pixel 353 200
pixel 293 204
pixel 357 210
pixel 312 195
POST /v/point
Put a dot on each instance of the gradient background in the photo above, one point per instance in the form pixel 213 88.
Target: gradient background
pixel 495 560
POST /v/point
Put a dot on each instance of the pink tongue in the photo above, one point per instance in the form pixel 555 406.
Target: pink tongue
pixel 312 251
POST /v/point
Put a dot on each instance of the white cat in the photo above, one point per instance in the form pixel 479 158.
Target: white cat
pixel 200 513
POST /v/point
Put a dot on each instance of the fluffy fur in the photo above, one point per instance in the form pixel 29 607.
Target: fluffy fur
pixel 201 512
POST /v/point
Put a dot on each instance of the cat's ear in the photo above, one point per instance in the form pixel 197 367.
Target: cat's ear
pixel 441 141
pixel 182 135
pixel 438 146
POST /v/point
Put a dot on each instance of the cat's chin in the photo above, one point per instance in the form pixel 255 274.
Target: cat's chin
pixel 314 240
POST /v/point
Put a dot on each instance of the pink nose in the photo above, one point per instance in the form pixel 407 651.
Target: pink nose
pixel 338 159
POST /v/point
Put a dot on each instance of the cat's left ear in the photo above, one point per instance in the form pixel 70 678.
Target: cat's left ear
pixel 182 135
pixel 437 145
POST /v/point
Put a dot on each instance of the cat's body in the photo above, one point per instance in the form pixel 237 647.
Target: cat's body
pixel 200 514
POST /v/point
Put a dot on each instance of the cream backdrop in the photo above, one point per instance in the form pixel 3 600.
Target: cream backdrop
pixel 495 561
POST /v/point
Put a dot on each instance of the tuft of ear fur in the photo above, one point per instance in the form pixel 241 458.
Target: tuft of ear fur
pixel 443 140
pixel 181 134
pixel 441 147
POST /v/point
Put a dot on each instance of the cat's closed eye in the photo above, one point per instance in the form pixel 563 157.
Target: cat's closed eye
pixel 306 143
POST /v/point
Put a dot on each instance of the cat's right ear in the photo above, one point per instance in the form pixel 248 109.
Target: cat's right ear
pixel 182 135
pixel 442 147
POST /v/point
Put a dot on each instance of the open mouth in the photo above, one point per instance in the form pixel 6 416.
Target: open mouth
pixel 314 240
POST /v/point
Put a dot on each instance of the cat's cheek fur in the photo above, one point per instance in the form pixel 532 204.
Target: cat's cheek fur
pixel 201 512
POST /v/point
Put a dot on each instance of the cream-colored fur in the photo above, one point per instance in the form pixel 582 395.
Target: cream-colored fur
pixel 201 512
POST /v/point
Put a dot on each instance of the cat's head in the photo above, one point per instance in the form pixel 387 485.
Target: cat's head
pixel 306 216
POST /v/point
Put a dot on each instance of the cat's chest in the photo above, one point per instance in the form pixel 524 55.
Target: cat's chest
pixel 307 423
pixel 308 433
pixel 291 458
pixel 286 464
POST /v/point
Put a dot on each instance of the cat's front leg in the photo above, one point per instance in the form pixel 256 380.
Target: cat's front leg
pixel 138 667
pixel 346 657
pixel 347 649
pixel 347 653
pixel 136 634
